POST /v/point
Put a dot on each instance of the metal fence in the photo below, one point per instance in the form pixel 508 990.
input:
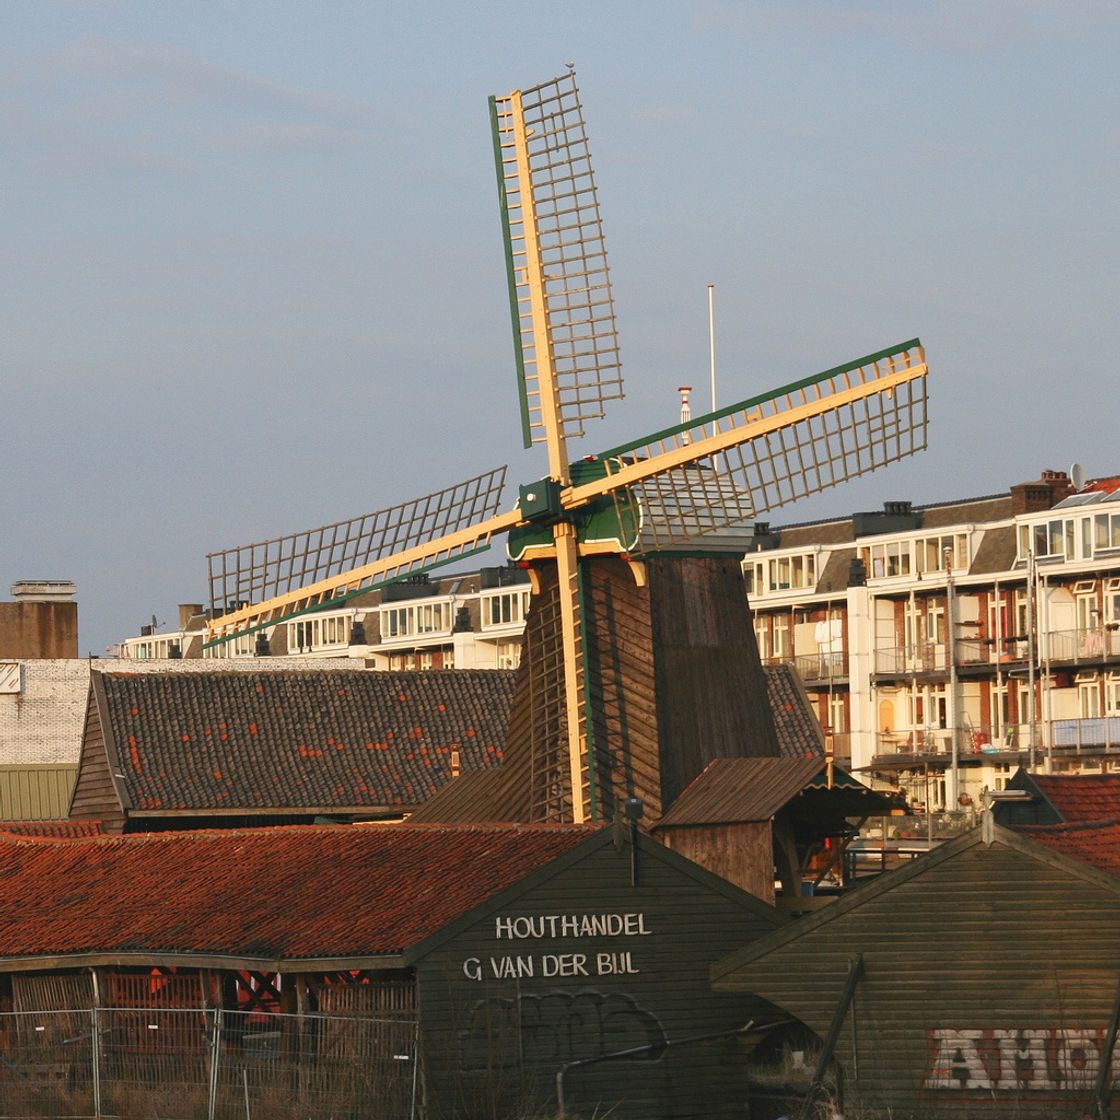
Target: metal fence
pixel 206 1064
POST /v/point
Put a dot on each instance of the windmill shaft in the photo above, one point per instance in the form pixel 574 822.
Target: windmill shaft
pixel 567 566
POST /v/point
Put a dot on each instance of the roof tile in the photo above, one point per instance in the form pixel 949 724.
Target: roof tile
pixel 268 893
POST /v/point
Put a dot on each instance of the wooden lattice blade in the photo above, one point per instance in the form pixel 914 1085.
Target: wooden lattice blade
pixel 565 337
pixel 729 466
pixel 403 540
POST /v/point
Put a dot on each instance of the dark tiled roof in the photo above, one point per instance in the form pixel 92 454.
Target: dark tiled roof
pixel 799 733
pixel 343 739
pixel 58 830
pixel 345 891
pixel 1096 843
pixel 1082 797
pixel 996 552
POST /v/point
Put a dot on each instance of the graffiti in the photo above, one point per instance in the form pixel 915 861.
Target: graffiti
pixel 1046 1059
pixel 559 1027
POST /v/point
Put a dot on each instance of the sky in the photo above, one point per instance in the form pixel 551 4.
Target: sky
pixel 252 279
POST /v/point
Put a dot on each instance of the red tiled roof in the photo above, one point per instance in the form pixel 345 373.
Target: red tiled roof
pixel 343 891
pixel 1096 843
pixel 58 830
pixel 1081 797
pixel 226 741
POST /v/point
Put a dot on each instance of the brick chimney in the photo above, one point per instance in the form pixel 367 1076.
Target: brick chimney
pixel 41 621
pixel 1046 492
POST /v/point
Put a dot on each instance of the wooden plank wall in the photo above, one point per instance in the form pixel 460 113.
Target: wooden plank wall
pixel 493 1046
pixel 95 797
pixel 711 688
pixel 989 941
pixel 741 853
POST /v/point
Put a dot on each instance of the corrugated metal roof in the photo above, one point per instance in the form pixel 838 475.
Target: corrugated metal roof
pixel 262 894
pixel 345 739
pixel 36 793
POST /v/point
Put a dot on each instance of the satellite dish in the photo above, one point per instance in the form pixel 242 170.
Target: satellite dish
pixel 1077 475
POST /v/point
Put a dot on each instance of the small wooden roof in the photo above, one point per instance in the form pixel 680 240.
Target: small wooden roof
pixel 738 790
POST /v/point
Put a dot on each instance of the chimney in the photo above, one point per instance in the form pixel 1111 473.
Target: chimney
pixel 187 611
pixel 44 591
pixel 1046 492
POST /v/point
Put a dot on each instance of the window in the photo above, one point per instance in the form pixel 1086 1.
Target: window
pixel 890 559
pixel 1049 540
pixel 1088 695
pixel 932 552
pixel 318 633
pixel 1106 531
pixel 781 637
pixel 789 572
pixel 415 620
pixel 505 608
pixel 762 636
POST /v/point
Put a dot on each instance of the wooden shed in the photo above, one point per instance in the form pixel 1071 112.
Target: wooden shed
pixel 386 971
pixel 978 981
pixel 754 820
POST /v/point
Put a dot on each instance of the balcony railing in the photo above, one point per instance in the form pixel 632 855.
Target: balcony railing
pixel 1064 736
pixel 818 667
pixel 924 657
pixel 1097 643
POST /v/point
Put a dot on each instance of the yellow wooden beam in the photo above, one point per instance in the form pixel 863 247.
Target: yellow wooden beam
pixel 428 553
pixel 741 432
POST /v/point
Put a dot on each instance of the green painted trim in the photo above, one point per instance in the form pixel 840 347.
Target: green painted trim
pixel 330 604
pixel 762 398
pixel 511 278
pixel 589 723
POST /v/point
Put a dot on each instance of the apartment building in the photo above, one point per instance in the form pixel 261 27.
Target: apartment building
pixel 469 620
pixel 945 645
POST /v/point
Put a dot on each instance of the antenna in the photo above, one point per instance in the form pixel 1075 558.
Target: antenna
pixel 1077 476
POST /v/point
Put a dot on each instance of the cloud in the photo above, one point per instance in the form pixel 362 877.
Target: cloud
pixel 127 107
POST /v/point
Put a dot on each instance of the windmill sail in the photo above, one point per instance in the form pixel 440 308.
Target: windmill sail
pixel 256 583
pixel 565 338
pixel 729 466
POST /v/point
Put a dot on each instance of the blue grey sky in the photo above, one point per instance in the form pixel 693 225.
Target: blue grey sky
pixel 251 277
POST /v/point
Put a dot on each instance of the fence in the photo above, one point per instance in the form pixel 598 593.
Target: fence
pixel 206 1064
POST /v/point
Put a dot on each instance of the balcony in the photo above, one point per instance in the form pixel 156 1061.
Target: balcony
pixel 1066 738
pixel 924 657
pixel 822 668
pixel 1093 645
pixel 1085 736
pixel 972 742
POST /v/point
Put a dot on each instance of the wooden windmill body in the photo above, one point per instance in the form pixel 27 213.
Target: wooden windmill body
pixel 640 663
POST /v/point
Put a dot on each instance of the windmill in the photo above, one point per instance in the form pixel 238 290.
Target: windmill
pixel 599 524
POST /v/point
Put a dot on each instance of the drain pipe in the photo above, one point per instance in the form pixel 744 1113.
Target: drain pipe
pixel 653 1048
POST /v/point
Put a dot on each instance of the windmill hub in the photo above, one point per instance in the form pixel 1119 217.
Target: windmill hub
pixel 540 502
